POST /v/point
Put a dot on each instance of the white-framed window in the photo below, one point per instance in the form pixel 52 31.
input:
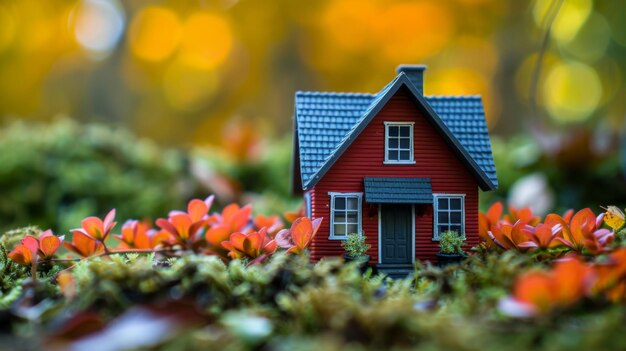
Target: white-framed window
pixel 345 214
pixel 399 143
pixel 449 213
pixel 307 204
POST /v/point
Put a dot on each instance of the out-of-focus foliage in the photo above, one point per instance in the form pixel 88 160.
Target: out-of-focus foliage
pixel 176 71
pixel 561 170
pixel 53 175
pixel 247 166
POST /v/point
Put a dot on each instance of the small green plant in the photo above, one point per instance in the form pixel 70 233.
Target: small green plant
pixel 450 243
pixel 355 245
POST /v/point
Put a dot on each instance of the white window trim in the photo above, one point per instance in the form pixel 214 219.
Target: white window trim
pixel 332 217
pixel 387 161
pixel 308 205
pixel 436 216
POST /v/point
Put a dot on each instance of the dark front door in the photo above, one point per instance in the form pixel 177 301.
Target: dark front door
pixel 396 234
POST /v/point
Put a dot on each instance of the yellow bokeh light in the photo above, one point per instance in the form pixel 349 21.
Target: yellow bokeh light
pixel 154 33
pixel 572 92
pixel 207 41
pixel 351 30
pixel 7 28
pixel 187 88
pixel 462 81
pixel 475 2
pixel 525 73
pixel 571 17
pixel 415 30
pixel 592 41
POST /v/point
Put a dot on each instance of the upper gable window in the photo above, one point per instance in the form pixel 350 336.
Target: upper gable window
pixel 399 142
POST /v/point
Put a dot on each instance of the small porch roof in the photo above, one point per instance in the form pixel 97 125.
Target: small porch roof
pixel 398 190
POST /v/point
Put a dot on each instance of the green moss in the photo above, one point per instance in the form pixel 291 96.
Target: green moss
pixel 290 304
pixel 55 174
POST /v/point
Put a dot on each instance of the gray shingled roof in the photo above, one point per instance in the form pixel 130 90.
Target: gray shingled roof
pixel 398 190
pixel 327 123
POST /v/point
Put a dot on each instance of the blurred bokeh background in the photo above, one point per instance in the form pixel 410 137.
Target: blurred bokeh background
pixel 142 104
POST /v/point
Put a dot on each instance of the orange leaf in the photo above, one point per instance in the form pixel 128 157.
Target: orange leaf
pixel 31 243
pixel 142 238
pixel 270 247
pixel 534 288
pixel 160 237
pixel 519 233
pixel 544 236
pixel 109 223
pixel 181 222
pixel 197 209
pixel 582 224
pixel 571 281
pixel 129 232
pixel 237 240
pixel 252 244
pixel 82 244
pixel 241 218
pixel 66 284
pixel 229 212
pixel 301 231
pixel 94 227
pixel 21 254
pixel 494 213
pixel 49 244
pixel 216 235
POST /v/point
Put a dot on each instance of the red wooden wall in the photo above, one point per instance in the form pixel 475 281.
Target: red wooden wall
pixel 433 159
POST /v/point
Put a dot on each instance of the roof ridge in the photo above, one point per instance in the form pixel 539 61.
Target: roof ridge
pixel 328 93
pixel 464 96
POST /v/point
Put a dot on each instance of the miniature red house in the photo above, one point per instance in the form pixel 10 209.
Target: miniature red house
pixel 398 166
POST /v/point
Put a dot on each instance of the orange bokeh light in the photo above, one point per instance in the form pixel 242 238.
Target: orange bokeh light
pixel 207 41
pixel 416 30
pixel 154 33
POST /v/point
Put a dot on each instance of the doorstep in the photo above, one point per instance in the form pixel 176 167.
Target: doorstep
pixel 396 271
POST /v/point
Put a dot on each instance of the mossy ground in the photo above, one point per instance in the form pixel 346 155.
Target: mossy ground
pixel 287 303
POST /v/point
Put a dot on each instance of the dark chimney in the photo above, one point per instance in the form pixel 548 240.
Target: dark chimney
pixel 415 74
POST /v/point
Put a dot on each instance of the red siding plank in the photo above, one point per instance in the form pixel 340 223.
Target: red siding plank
pixel 433 159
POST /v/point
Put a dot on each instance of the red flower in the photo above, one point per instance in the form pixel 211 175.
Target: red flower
pixel 292 216
pixel 542 237
pixel 186 226
pixel 272 223
pixel 222 225
pixel 583 232
pixel 48 244
pixel 233 218
pixel 84 245
pixel 524 214
pixel 95 228
pixel 539 292
pixel 299 236
pixel 487 220
pixel 611 276
pixel 252 245
pixel 509 236
pixel 22 254
pixel 45 247
pixel 139 235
